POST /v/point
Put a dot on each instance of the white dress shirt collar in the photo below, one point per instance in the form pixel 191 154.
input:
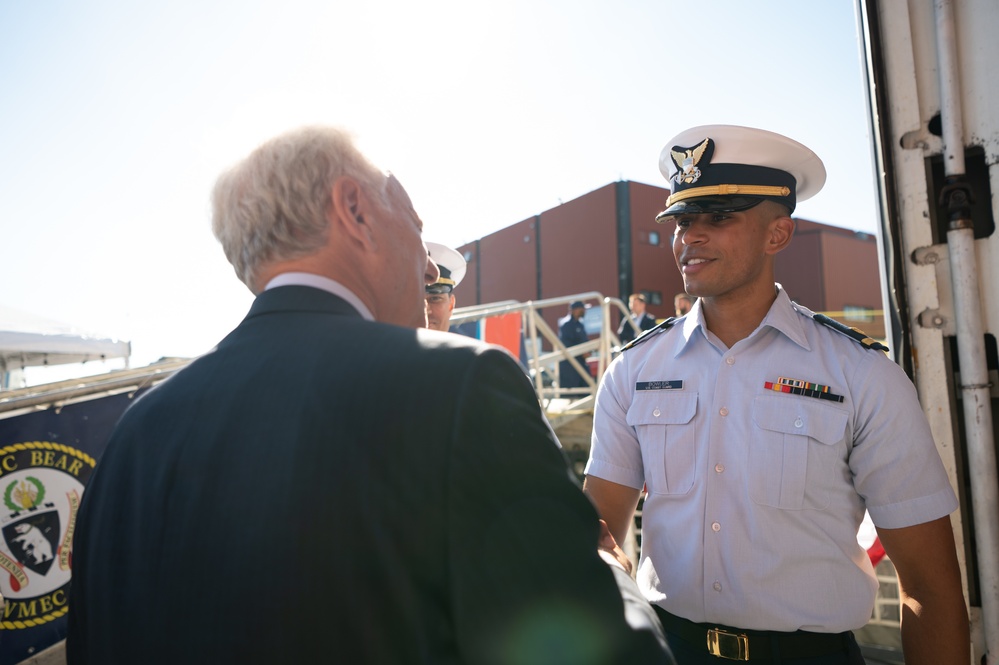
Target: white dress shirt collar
pixel 324 283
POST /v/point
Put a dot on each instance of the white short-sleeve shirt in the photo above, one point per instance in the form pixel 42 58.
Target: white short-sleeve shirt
pixel 755 495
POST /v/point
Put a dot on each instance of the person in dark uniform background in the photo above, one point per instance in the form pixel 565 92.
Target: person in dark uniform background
pixel 440 295
pixel 638 322
pixel 334 482
pixel 762 432
pixel 571 332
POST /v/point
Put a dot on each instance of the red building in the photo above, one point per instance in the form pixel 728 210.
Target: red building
pixel 608 241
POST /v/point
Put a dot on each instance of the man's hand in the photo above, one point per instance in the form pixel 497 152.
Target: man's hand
pixel 608 545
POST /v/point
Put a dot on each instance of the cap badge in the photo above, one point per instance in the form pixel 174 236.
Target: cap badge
pixel 687 159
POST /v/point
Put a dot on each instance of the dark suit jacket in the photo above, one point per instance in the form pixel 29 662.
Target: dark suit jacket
pixel 325 489
pixel 626 331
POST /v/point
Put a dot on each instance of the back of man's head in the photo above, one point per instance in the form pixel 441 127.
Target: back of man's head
pixel 273 205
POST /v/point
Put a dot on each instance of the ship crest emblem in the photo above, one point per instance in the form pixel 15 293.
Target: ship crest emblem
pixel 41 484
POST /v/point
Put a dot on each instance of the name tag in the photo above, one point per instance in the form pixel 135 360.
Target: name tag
pixel 659 385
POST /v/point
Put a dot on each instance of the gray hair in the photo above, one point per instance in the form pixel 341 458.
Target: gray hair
pixel 273 205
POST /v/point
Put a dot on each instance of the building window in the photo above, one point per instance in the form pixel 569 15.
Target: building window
pixel 654 238
pixel 653 297
pixel 468 255
pixel 857 313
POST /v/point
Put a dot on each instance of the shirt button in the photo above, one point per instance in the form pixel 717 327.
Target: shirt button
pixel 656 412
pixel 715 526
pixel 730 360
pixel 719 468
pixel 723 411
pixel 716 586
pixel 798 423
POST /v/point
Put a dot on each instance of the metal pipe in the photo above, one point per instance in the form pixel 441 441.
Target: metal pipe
pixel 977 405
pixel 539 379
pixel 975 394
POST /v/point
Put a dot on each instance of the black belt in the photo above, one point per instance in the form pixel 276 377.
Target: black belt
pixel 739 644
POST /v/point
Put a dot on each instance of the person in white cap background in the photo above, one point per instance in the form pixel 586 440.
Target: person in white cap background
pixel 762 432
pixel 440 295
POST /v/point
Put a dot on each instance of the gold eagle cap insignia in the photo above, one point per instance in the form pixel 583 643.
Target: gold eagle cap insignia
pixel 686 160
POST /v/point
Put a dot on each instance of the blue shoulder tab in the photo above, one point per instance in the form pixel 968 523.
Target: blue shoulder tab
pixel 855 334
pixel 665 325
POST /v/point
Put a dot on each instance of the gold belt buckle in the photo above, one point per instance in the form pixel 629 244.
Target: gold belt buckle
pixel 728 645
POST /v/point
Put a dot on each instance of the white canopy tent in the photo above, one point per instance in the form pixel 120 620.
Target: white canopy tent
pixel 27 340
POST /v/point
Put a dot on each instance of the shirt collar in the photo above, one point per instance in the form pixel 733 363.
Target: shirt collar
pixel 691 321
pixel 783 316
pixel 324 283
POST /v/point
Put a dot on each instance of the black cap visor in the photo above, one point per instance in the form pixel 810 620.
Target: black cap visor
pixel 439 288
pixel 710 204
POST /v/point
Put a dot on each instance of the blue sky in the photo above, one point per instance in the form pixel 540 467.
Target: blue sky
pixel 116 118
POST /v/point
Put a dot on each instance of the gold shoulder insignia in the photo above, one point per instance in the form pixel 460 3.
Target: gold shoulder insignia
pixel 855 334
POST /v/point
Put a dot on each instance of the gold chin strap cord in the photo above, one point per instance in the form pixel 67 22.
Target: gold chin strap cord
pixel 727 190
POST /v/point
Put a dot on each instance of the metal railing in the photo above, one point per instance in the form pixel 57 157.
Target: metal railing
pixel 545 351
pixel 887 604
pixel 55 395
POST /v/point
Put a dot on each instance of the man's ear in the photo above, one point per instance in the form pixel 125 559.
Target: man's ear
pixel 350 211
pixel 781 232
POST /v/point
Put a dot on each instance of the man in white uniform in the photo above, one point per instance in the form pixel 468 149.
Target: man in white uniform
pixel 762 432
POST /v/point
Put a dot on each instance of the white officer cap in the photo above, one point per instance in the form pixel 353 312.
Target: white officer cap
pixel 726 168
pixel 451 265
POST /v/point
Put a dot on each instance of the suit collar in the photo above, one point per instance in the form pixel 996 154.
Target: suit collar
pixel 321 282
pixel 295 298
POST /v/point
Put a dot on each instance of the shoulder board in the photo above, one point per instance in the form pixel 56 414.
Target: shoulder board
pixel 665 325
pixel 856 335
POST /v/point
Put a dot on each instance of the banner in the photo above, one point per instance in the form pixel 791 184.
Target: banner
pixel 46 459
pixel 504 330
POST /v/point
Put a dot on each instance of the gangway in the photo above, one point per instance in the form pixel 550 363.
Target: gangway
pixel 543 364
pixel 569 410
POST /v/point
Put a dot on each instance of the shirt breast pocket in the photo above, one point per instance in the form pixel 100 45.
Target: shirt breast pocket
pixel 665 426
pixel 798 455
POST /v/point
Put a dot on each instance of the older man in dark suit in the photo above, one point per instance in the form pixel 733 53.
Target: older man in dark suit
pixel 332 484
